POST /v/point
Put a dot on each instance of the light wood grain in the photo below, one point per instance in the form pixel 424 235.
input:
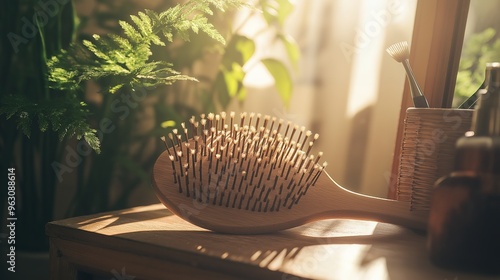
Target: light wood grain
pixel 324 200
pixel 151 243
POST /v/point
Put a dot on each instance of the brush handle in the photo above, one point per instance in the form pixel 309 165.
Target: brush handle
pixel 350 205
pixel 419 100
pixel 470 102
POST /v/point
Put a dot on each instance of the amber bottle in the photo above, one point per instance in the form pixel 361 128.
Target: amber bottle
pixel 464 222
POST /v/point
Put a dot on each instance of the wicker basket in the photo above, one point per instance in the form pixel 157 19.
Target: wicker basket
pixel 428 151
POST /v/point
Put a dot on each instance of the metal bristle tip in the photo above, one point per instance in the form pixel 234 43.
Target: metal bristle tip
pixel 255 163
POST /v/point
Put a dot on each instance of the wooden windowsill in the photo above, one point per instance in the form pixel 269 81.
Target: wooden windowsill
pixel 150 243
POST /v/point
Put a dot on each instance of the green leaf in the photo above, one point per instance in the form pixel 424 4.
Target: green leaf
pixel 236 75
pixel 222 91
pixel 9 107
pixel 166 124
pixel 232 81
pixel 130 31
pixel 276 10
pixel 93 141
pixel 24 123
pixel 43 122
pixel 239 50
pixel 292 49
pixel 242 94
pixel 229 83
pixel 65 114
pixel 282 79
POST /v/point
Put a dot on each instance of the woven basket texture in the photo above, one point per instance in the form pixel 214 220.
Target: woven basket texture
pixel 428 151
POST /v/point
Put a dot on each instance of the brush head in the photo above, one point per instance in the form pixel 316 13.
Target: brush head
pixel 399 51
pixel 255 164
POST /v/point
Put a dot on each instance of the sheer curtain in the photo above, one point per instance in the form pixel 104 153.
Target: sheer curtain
pixel 347 88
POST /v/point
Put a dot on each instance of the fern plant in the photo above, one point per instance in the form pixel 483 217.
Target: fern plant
pixel 117 61
pixel 124 60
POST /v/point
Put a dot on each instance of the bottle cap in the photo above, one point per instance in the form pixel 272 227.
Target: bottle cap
pixel 493 69
pixel 486 119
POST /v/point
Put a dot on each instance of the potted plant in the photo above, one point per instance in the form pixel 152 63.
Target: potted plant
pixel 53 129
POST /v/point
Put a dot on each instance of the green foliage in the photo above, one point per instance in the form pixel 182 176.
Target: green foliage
pixel 276 11
pixel 117 61
pixel 281 74
pixel 114 62
pixel 481 48
pixel 239 56
pixel 229 81
pixel 66 116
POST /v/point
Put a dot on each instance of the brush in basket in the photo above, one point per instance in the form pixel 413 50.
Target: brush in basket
pixel 401 53
pixel 258 175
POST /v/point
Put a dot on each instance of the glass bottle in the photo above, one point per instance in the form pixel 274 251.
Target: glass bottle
pixel 464 221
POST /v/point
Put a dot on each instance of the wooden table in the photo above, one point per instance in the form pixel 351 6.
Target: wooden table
pixel 150 243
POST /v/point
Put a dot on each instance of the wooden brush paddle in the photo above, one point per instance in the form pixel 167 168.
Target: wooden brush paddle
pixel 258 175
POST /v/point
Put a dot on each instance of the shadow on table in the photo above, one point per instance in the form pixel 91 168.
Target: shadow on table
pixel 128 216
pixel 307 252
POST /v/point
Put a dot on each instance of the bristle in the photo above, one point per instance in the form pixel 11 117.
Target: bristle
pixel 308 134
pixel 399 51
pixel 258 120
pixel 249 165
pixel 242 117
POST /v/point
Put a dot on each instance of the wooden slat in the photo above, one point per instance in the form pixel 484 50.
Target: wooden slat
pixel 99 260
pixel 437 41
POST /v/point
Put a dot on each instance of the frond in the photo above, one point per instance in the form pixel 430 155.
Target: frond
pixel 65 115
pixel 124 60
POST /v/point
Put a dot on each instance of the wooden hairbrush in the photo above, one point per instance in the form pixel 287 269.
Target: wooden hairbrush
pixel 257 175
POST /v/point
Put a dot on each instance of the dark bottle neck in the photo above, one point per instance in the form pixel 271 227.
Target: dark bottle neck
pixel 486 119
